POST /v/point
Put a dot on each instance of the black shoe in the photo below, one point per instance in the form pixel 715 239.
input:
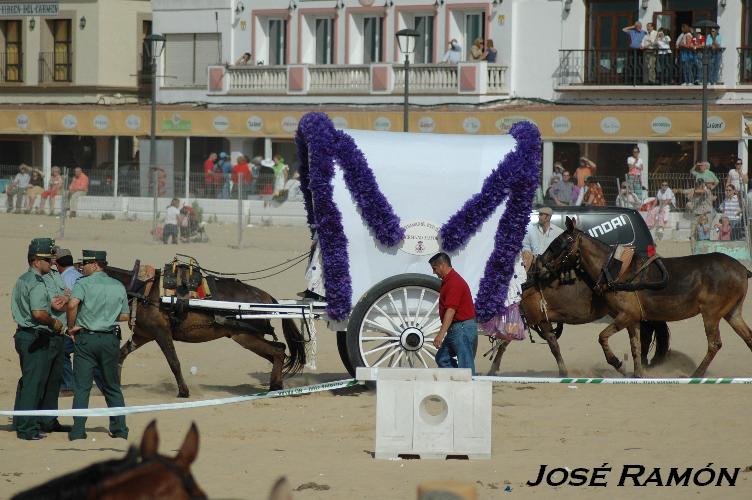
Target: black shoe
pixel 58 427
pixel 34 437
pixel 73 438
pixel 118 436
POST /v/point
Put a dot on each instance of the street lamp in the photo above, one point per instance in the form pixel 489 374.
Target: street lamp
pixel 706 26
pixel 406 40
pixel 153 47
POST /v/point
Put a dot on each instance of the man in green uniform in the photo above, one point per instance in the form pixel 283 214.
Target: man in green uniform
pixel 103 302
pixel 30 304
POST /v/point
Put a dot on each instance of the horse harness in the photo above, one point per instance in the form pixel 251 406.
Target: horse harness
pixel 186 478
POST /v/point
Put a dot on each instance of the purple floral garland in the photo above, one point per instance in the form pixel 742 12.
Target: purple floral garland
pixel 514 179
pixel 319 145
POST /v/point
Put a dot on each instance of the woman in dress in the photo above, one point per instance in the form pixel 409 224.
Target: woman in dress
pixel 280 174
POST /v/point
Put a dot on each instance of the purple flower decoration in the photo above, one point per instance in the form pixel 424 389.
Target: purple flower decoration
pixel 514 179
pixel 319 146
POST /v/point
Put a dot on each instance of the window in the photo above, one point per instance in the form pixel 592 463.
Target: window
pixel 144 67
pixel 187 55
pixel 12 54
pixel 373 32
pixel 324 40
pixel 424 42
pixel 475 25
pixel 277 42
pixel 606 21
pixel 57 66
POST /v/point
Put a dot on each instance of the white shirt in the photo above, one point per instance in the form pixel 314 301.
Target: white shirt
pixel 735 179
pixel 536 241
pixel 667 195
pixel 172 215
pixel 635 163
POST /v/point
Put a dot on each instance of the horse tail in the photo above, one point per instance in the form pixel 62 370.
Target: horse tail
pixel 662 340
pixel 297 346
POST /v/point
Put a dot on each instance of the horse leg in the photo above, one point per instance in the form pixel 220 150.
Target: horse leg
pixel 503 344
pixel 646 338
pixel 610 356
pixel 734 318
pixel 634 342
pixel 553 344
pixel 274 352
pixel 168 349
pixel 713 333
pixel 131 345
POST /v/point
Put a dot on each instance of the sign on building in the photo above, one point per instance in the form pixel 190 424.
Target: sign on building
pixel 14 8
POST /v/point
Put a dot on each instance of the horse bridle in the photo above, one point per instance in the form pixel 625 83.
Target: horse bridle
pixel 573 252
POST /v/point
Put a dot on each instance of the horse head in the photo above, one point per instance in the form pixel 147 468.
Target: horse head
pixel 564 252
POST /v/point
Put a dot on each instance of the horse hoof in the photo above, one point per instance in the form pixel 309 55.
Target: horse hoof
pixel 183 394
pixel 276 387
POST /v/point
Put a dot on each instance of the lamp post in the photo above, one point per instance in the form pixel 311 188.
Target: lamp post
pixel 153 47
pixel 705 25
pixel 406 41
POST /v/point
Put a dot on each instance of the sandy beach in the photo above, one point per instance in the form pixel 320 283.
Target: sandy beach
pixel 324 442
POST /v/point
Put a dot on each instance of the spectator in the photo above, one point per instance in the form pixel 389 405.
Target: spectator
pixel 635 167
pixel 453 53
pixel 731 208
pixel 593 196
pixel 634 58
pixel 538 236
pixel 241 174
pixel 255 173
pixel 626 198
pixel 79 187
pixel 490 54
pixel 702 229
pixel 686 55
pixel 725 229
pixel 281 171
pixel 172 220
pixel 54 186
pixel 649 45
pixel 244 59
pixel 659 214
pixel 701 170
pixel 209 175
pixel 476 51
pixel 36 188
pixel 564 192
pixel 713 42
pixel 698 43
pixel 17 188
pixel 224 169
pixel 665 63
pixel 586 169
pixel 736 177
pixel 700 201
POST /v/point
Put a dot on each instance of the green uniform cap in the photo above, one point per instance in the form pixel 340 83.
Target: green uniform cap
pixel 41 247
pixel 94 256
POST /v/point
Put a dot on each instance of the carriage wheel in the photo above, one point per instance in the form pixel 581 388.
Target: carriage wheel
pixel 342 348
pixel 395 323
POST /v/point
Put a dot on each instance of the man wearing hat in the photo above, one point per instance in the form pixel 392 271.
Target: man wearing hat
pixel 30 305
pixel 96 304
pixel 539 236
pixel 225 167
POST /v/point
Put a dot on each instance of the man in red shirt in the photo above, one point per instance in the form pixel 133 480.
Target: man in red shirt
pixel 209 181
pixel 78 187
pixel 458 336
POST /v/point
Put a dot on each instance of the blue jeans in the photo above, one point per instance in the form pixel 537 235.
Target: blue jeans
pixel 461 342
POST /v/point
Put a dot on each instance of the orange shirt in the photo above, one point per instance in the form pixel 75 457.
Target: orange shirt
pixel 582 173
pixel 80 183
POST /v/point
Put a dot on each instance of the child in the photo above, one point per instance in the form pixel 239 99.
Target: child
pixel 703 228
pixel 724 229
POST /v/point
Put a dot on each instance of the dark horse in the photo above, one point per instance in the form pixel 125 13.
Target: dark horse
pixel 713 285
pixel 547 299
pixel 142 473
pixel 155 321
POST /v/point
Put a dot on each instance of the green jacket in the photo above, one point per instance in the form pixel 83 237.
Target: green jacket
pixel 102 298
pixel 30 294
pixel 55 285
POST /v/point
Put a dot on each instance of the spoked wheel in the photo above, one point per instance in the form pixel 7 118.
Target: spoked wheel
pixel 395 323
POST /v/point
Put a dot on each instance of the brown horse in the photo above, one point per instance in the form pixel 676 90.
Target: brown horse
pixel 547 299
pixel 155 321
pixel 141 473
pixel 713 285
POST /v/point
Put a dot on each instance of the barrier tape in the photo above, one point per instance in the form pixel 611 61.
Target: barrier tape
pixel 127 410
pixel 614 381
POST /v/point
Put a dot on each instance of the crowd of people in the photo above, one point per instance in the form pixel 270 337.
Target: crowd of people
pixel 651 60
pixel 479 52
pixel 222 178
pixel 28 185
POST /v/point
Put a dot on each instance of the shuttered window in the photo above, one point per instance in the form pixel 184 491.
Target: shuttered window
pixel 187 55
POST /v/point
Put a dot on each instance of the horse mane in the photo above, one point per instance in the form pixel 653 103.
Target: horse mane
pixel 76 485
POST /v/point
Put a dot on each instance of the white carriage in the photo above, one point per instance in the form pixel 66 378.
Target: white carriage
pixel 377 203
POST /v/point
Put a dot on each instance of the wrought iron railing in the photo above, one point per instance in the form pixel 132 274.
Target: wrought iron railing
pixel 55 66
pixel 11 67
pixel 745 64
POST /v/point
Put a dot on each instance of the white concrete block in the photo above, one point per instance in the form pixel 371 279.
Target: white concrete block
pixel 430 412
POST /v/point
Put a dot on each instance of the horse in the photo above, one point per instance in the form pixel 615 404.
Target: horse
pixel 713 285
pixel 155 321
pixel 546 298
pixel 142 473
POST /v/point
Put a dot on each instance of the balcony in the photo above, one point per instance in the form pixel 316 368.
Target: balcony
pixel 745 65
pixel 636 68
pixel 11 67
pixel 55 67
pixel 358 80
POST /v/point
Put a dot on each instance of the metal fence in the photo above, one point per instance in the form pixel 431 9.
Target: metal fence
pixel 55 66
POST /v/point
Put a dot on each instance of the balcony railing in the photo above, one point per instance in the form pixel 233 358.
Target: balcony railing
pixel 745 65
pixel 425 79
pixel 636 67
pixel 11 67
pixel 55 67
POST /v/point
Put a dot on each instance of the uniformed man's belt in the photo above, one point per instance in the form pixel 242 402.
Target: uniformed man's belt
pixel 114 330
pixel 28 329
